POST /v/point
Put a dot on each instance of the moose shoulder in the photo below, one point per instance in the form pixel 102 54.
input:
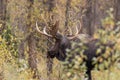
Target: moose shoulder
pixel 63 42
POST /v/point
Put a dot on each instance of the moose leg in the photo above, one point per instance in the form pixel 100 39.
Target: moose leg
pixel 88 72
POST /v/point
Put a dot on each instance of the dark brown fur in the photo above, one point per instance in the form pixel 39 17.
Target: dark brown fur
pixel 58 50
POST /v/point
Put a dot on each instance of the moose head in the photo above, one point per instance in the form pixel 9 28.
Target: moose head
pixel 62 42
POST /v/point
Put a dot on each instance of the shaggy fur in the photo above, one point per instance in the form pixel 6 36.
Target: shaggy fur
pixel 58 50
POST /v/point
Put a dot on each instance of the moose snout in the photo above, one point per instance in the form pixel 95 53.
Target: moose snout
pixel 51 54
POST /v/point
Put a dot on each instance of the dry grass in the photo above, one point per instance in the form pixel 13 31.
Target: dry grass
pixel 42 68
pixel 10 72
pixel 111 74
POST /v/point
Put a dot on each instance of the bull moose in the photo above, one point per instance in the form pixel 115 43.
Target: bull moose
pixel 63 42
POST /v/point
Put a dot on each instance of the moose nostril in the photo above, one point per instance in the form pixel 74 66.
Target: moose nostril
pixel 51 54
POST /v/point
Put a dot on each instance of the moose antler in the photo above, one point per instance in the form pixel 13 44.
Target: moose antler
pixel 54 28
pixel 77 32
pixel 43 32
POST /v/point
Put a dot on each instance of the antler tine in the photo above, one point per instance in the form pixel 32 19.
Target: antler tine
pixel 77 32
pixel 44 31
pixel 70 30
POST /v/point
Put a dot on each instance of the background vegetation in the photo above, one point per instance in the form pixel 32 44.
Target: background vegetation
pixel 23 50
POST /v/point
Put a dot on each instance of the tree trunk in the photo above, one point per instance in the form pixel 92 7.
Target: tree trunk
pixel 31 41
pixel 117 10
pixel 88 17
pixel 21 50
pixel 66 12
pixel 51 6
pixel 32 54
pixel 66 31
pixel 3 5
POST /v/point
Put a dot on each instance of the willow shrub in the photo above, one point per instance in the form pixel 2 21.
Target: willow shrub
pixel 74 68
pixel 10 68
